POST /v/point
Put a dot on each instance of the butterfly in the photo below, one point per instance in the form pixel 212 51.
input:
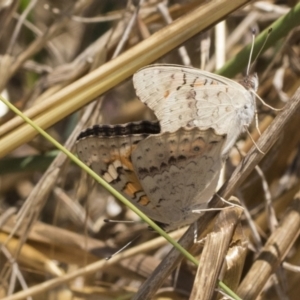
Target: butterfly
pixel 166 174
pixel 189 97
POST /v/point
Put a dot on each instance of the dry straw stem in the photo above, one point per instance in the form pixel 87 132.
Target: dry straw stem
pixel 62 75
pixel 214 251
pixel 70 247
pixel 10 65
pixel 273 253
pixel 234 261
pixel 280 205
pixel 92 268
pixel 81 92
pixel 281 124
pixel 30 256
pixel 169 263
pixel 35 201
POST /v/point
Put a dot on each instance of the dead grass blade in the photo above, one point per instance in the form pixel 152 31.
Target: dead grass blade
pixel 79 93
pixel 214 252
pixel 273 253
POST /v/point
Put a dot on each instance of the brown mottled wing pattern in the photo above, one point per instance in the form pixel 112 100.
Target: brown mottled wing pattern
pixel 179 172
pixel 107 150
pixel 184 96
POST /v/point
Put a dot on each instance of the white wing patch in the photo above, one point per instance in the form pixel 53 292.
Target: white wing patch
pixel 184 96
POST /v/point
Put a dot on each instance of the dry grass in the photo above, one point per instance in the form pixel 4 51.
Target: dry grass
pixel 56 58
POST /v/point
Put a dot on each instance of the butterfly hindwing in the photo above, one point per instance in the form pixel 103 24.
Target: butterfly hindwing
pixel 107 150
pixel 179 172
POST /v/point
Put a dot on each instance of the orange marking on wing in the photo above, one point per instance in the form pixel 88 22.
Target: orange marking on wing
pixel 124 159
pixel 198 83
pixel 167 93
pixel 143 200
pixel 132 188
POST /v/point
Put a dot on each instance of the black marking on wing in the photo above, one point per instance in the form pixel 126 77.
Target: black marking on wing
pixel 143 127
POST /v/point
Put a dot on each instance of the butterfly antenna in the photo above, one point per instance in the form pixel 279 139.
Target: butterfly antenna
pixel 259 52
pixel 123 248
pixel 251 52
pixel 248 71
pixel 263 46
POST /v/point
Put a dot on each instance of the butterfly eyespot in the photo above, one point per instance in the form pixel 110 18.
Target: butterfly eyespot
pixel 197 149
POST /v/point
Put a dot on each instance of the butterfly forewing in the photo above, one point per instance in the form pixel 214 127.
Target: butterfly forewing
pixel 184 96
